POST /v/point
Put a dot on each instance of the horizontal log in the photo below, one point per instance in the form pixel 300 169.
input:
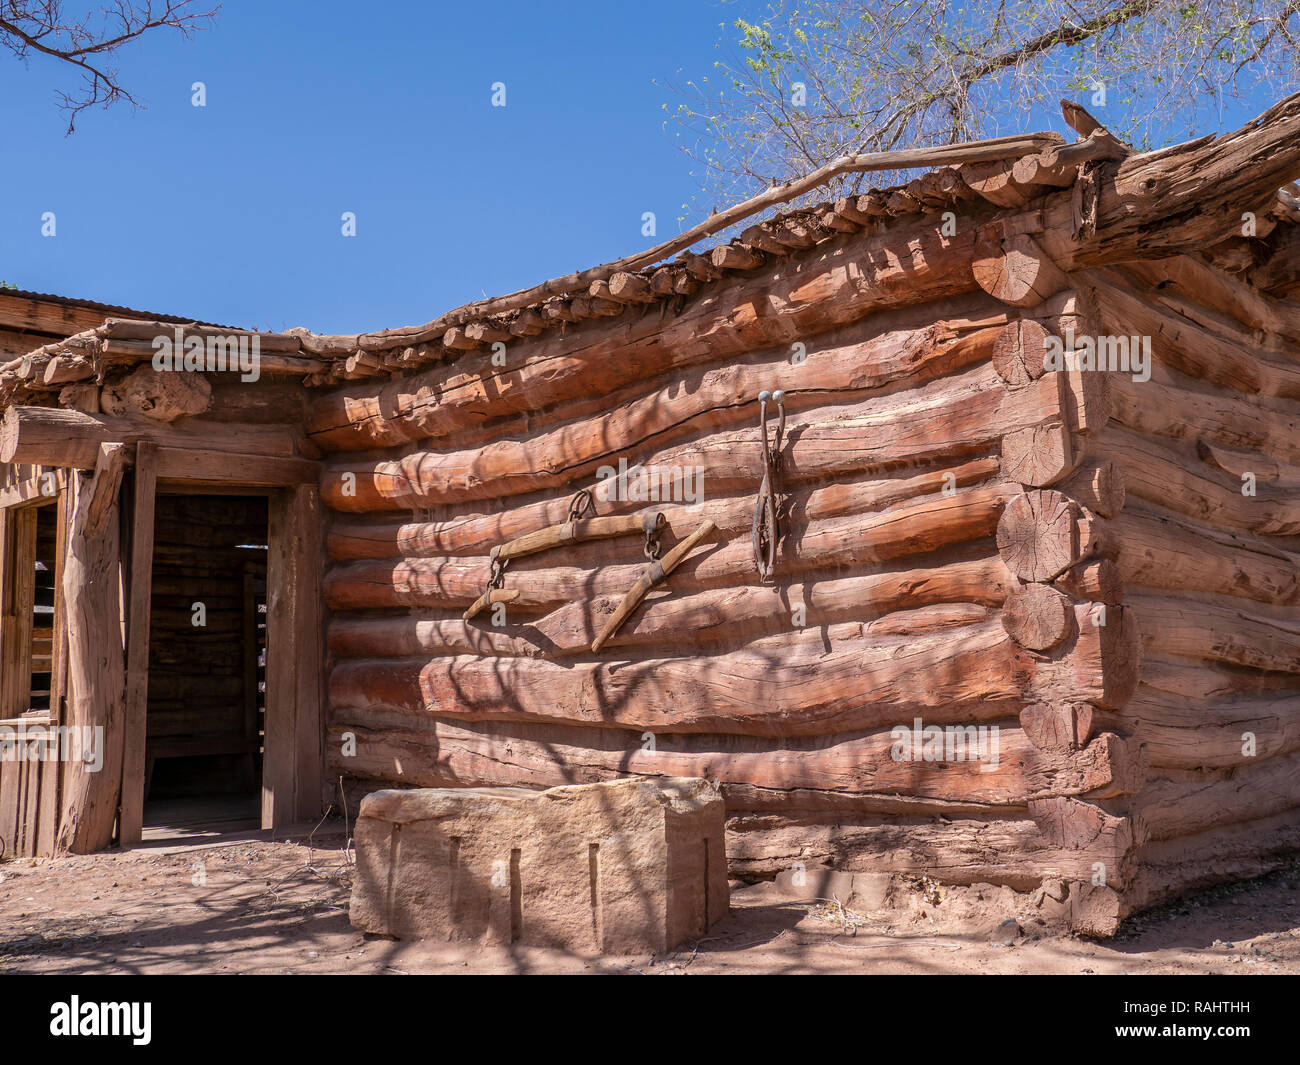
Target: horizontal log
pixel 139 329
pixel 121 353
pixel 199 466
pixel 1173 478
pixel 1185 413
pixel 1239 851
pixel 466 533
pixel 911 265
pixel 1190 733
pixel 1240 464
pixel 683 622
pixel 1003 851
pixel 1168 552
pixel 962 316
pixel 441 754
pixel 908 529
pixel 1230 360
pixel 1204 682
pixel 1193 279
pixel 954 416
pixel 1193 628
pixel 1272 345
pixel 712 398
pixel 803 684
pixel 49 436
pixel 1144 207
pixel 1196 800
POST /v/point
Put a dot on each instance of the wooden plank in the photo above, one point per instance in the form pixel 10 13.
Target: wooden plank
pixel 309 627
pixel 17 597
pixel 55 318
pixel 24 492
pixel 29 818
pixel 9 789
pixel 139 600
pixel 281 669
pixel 188 466
pixel 206 745
pixel 295 681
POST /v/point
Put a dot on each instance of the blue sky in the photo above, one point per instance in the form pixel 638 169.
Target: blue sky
pixel 231 212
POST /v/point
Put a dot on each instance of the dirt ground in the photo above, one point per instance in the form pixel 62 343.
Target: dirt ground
pixel 261 907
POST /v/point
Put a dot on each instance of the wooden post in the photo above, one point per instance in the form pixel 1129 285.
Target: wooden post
pixel 308 578
pixel 139 599
pixel 95 668
pixel 291 763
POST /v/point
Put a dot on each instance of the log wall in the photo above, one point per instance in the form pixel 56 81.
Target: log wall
pixel 976 537
pixel 1208 550
pixel 902 589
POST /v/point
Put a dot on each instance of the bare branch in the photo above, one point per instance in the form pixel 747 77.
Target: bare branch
pixel 84 42
pixel 890 74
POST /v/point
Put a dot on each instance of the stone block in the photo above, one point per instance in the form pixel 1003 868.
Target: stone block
pixel 621 867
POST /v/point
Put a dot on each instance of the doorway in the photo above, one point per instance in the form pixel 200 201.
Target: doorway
pixel 205 720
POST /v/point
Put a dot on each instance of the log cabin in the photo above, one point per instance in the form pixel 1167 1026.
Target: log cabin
pixel 951 528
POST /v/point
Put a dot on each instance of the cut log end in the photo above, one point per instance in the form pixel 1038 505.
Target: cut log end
pixel 1038 617
pixel 1020 352
pixel 1015 270
pixel 1038 535
pixel 1040 455
pixel 1057 726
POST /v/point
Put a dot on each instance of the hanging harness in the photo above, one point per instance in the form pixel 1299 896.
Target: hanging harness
pixel 767 532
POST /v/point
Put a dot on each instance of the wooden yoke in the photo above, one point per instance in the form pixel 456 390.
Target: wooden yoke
pixel 576 530
pixel 654 573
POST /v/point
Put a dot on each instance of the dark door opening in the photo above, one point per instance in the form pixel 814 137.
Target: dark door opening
pixel 47 531
pixel 207 655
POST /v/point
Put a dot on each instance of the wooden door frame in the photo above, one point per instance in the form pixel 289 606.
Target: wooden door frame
pixel 18 505
pixel 295 680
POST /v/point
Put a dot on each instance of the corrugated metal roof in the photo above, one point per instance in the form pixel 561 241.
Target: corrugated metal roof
pixel 110 310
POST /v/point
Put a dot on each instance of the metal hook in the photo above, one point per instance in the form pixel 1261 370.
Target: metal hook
pixel 581 505
pixel 778 397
